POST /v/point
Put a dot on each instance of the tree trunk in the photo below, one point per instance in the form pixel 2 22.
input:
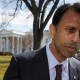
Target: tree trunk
pixel 37 34
pixel 37 41
pixel 39 23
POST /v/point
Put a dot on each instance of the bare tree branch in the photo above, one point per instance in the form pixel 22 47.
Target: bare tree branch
pixel 38 9
pixel 34 7
pixel 44 10
pixel 14 14
pixel 21 4
pixel 50 13
pixel 28 5
pixel 6 3
pixel 40 5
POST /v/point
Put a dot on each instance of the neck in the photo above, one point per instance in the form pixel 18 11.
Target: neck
pixel 56 54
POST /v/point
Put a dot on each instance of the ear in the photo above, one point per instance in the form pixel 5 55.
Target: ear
pixel 52 30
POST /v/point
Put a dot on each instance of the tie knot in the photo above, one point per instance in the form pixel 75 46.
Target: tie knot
pixel 59 68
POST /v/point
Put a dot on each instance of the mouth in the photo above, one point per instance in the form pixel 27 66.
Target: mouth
pixel 71 49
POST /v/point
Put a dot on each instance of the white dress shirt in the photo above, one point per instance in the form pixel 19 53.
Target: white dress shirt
pixel 52 62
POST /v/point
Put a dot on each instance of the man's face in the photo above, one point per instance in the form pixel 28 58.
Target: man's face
pixel 66 38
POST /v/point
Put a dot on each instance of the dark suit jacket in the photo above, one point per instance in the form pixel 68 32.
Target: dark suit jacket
pixel 34 66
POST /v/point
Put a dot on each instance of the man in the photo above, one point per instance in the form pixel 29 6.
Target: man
pixel 40 64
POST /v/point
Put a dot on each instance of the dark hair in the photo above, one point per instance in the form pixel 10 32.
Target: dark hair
pixel 62 9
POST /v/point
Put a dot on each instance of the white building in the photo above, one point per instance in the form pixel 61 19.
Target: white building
pixel 46 38
pixel 11 41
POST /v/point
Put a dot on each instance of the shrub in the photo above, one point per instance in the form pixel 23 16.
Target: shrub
pixel 1 53
pixel 5 53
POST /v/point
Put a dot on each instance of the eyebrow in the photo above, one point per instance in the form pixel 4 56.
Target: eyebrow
pixel 71 26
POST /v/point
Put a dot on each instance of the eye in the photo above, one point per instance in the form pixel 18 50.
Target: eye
pixel 71 29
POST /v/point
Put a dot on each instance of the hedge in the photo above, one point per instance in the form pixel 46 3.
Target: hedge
pixel 5 53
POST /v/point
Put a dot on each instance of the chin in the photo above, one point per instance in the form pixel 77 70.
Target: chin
pixel 68 55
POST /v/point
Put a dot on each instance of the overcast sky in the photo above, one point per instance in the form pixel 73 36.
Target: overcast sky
pixel 21 22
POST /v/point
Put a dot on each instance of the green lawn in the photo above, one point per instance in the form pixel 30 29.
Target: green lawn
pixel 4 62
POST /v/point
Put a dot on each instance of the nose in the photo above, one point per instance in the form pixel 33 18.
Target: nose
pixel 77 37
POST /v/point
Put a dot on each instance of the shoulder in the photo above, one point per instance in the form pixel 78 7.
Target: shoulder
pixel 74 62
pixel 29 55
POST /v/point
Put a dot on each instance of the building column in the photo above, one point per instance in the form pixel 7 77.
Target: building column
pixel 1 44
pixel 13 45
pixel 7 48
pixel 4 44
pixel 17 45
pixel 20 45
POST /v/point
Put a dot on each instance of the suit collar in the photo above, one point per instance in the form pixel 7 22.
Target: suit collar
pixel 73 75
pixel 41 65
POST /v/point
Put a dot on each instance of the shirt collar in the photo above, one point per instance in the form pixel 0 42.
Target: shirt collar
pixel 65 65
pixel 52 61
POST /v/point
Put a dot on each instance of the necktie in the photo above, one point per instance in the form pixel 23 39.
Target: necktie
pixel 58 72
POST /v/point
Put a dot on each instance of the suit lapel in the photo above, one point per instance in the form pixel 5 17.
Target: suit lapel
pixel 73 75
pixel 41 69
